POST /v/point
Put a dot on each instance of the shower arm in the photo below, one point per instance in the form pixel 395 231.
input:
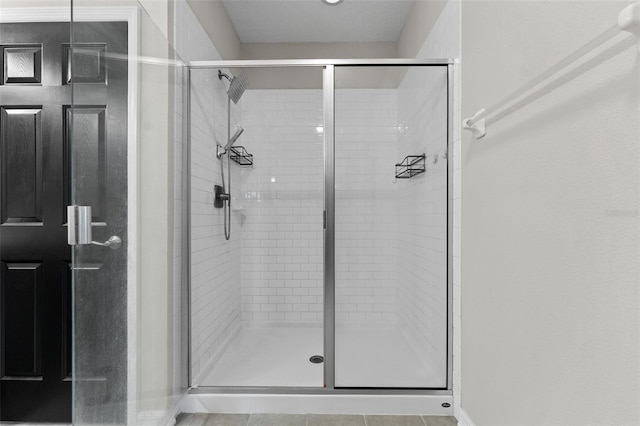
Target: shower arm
pixel 221 74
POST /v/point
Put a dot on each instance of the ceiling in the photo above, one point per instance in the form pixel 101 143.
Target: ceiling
pixel 286 21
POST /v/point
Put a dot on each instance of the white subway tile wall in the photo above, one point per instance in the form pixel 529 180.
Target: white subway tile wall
pixel 215 262
pixel 391 234
pixel 421 213
pixel 282 207
pixel 366 225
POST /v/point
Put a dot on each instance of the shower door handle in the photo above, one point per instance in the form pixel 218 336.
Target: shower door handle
pixel 79 230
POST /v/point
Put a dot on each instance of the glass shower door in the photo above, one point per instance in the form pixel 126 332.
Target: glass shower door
pixel 391 180
pixel 96 138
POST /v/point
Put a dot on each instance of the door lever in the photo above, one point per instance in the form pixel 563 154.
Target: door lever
pixel 79 229
pixel 114 242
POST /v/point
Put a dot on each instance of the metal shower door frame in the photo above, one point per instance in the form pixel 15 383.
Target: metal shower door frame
pixel 328 90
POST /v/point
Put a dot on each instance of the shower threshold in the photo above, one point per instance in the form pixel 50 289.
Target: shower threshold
pixel 321 401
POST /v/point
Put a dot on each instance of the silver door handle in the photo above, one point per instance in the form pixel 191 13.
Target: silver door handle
pixel 114 242
pixel 79 228
pixel 78 225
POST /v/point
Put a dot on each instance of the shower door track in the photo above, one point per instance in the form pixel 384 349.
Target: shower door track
pixel 328 91
pixel 298 390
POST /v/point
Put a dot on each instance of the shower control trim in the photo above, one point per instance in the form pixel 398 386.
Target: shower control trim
pixel 219 197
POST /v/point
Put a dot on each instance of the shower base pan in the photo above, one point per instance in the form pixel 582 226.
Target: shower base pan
pixel 266 369
pixel 279 356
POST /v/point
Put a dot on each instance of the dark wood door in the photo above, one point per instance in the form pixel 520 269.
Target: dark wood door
pixel 36 156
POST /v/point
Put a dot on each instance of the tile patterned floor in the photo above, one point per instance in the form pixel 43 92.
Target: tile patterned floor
pixel 311 420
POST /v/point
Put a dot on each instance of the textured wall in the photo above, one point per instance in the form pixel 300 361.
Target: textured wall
pixel 550 294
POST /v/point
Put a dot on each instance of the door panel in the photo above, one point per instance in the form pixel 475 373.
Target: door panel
pixel 38 155
pixel 33 249
pixel 89 64
pixel 21 144
pixel 22 64
pixel 21 286
pixel 90 143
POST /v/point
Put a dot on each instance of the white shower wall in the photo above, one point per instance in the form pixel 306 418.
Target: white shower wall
pixel 282 239
pixel 365 241
pixel 282 202
pixel 215 262
pixel 421 214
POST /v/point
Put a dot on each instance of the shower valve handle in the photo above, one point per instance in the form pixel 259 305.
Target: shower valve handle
pixel 219 196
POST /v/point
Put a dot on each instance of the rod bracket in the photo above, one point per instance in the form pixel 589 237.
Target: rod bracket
pixel 629 20
pixel 476 124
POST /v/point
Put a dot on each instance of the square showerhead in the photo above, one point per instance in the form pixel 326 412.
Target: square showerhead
pixel 237 87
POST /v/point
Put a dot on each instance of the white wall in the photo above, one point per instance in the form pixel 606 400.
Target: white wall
pixel 365 221
pixel 215 262
pixel 157 391
pixel 443 41
pixel 301 78
pixel 550 294
pixel 391 239
pixel 420 26
pixel 213 18
pixel 282 198
pixel 421 217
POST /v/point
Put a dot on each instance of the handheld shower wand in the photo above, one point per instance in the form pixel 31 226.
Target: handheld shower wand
pixel 232 140
pixel 237 86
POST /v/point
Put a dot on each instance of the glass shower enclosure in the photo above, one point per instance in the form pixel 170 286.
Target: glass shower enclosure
pixel 337 272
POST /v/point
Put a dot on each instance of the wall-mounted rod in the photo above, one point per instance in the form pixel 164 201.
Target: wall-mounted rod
pixel 628 20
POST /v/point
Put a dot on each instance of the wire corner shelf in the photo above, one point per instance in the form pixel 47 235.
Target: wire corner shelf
pixel 412 165
pixel 240 155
